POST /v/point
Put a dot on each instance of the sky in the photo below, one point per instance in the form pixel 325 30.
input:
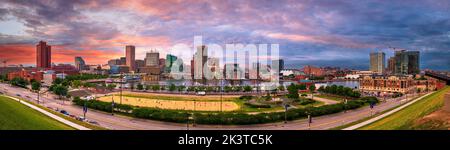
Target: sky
pixel 338 33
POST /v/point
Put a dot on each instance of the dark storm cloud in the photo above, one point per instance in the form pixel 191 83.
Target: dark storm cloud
pixel 321 32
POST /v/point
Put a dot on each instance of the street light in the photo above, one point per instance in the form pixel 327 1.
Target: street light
pixel 285 112
pixel 112 105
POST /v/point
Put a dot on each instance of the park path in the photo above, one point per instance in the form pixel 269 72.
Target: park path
pixel 326 101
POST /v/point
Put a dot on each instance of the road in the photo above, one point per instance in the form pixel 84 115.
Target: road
pixel 119 122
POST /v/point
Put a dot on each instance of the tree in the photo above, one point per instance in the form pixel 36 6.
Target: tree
pixel 302 87
pixel 36 86
pixel 20 82
pixel 247 88
pixel 292 91
pixel 227 88
pixel 61 90
pixel 57 81
pixel 140 86
pixel 312 88
pixel 281 88
pixel 111 87
pixel 156 87
pixel 172 87
pixel 77 83
pixel 181 88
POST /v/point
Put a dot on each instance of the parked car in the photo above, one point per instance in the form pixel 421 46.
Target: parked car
pixel 201 93
pixel 92 122
pixel 18 95
pixel 64 112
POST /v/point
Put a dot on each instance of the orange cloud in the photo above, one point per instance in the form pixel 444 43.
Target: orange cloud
pixel 26 54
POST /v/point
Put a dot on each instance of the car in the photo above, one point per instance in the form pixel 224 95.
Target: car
pixel 92 122
pixel 18 95
pixel 80 118
pixel 64 112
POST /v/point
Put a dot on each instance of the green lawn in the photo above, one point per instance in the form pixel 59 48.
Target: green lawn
pixel 404 119
pixel 16 116
pixel 330 97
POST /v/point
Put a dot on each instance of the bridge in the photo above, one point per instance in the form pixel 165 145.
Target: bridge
pixel 438 76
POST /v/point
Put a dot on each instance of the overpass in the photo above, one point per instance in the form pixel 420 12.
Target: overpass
pixel 438 76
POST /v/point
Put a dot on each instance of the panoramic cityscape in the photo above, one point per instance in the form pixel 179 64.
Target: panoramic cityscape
pixel 224 65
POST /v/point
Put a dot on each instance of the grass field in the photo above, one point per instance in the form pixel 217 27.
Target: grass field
pixel 404 119
pixel 165 102
pixel 15 116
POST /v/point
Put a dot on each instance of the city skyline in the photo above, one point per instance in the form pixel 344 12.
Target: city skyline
pixel 321 33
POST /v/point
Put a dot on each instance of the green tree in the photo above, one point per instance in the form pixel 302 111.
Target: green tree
pixel 281 88
pixel 172 87
pixel 302 87
pixel 247 88
pixel 77 83
pixel 36 86
pixel 312 88
pixel 181 88
pixel 292 91
pixel 111 86
pixel 61 90
pixel 20 82
pixel 156 87
pixel 140 86
pixel 227 88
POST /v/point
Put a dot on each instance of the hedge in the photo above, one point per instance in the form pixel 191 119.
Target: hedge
pixel 224 118
pixel 256 105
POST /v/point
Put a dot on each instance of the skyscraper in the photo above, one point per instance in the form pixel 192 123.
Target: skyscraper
pixel 407 62
pixel 170 59
pixel 391 65
pixel 377 62
pixel 130 57
pixel 79 63
pixel 152 59
pixel 200 59
pixel 43 55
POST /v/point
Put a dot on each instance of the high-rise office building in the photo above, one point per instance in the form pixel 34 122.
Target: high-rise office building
pixel 391 65
pixel 80 63
pixel 130 57
pixel 200 59
pixel 170 59
pixel 43 55
pixel 152 59
pixel 377 62
pixel 407 62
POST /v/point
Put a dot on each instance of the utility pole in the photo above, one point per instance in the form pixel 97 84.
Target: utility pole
pixel 121 87
pixel 112 105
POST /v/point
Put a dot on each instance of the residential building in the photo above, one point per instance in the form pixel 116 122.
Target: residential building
pixel 43 55
pixel 377 62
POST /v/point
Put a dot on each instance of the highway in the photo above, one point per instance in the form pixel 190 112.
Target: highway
pixel 120 122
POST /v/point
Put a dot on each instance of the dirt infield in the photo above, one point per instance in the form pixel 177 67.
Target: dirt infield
pixel 178 102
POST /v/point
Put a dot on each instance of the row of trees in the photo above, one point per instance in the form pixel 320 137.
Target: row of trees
pixel 340 90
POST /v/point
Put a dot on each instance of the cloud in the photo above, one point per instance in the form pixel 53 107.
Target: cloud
pixel 26 54
pixel 304 27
